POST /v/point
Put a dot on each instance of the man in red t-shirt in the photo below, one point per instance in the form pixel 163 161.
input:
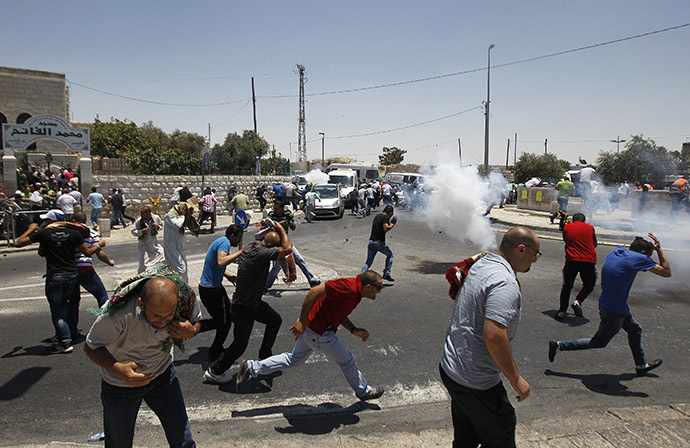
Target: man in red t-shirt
pixel 580 257
pixel 325 308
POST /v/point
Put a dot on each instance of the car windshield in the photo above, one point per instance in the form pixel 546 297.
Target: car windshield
pixel 346 181
pixel 327 191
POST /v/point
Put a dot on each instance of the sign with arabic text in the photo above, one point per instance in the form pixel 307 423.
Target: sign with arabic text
pixel 16 137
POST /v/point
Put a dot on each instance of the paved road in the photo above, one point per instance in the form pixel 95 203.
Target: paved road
pixel 47 398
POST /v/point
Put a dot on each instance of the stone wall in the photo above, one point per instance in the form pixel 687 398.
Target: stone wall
pixel 138 188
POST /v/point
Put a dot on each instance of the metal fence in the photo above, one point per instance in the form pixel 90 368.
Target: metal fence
pixel 15 223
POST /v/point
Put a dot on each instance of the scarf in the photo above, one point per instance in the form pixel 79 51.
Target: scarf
pixel 130 289
pixel 456 275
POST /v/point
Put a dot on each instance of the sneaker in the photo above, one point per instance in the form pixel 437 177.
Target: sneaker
pixel 553 348
pixel 373 394
pixel 50 341
pixel 389 278
pixel 212 378
pixel 650 365
pixel 242 374
pixel 577 309
pixel 59 348
pixel 315 283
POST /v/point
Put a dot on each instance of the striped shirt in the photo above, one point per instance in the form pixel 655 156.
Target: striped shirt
pixel 208 203
pixel 83 261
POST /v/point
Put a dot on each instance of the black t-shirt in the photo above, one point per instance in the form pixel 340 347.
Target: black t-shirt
pixel 185 194
pixel 377 231
pixel 260 192
pixel 116 201
pixel 252 271
pixel 58 247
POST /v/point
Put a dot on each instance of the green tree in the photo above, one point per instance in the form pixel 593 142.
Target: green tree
pixel 392 156
pixel 238 154
pixel 114 138
pixel 545 166
pixel 641 161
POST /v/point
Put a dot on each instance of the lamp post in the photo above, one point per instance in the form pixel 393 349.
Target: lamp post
pixel 486 111
pixel 323 137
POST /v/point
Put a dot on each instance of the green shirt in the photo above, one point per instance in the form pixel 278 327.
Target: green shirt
pixel 565 188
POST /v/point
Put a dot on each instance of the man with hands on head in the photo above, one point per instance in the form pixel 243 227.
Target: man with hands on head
pixel 326 307
pixel 128 345
pixel 617 276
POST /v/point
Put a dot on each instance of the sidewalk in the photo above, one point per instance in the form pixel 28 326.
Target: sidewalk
pixel 648 426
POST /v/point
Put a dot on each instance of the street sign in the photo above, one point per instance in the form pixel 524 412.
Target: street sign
pixel 241 218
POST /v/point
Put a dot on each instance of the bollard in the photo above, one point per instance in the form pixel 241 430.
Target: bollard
pixel 104 227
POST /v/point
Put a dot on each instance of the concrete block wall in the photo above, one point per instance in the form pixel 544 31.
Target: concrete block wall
pixel 138 188
pixel 537 198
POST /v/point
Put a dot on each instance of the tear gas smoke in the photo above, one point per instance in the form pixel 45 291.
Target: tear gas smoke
pixel 455 201
pixel 316 176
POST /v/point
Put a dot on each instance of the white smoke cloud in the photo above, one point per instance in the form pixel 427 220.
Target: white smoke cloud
pixel 316 176
pixel 455 201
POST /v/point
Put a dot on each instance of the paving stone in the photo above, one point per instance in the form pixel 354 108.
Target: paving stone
pixel 646 413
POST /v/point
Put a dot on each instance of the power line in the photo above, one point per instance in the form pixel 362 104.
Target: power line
pixel 154 102
pixel 406 127
pixel 464 72
pixel 207 78
pixel 233 115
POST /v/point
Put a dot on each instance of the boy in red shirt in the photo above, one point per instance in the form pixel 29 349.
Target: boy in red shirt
pixel 580 257
pixel 325 308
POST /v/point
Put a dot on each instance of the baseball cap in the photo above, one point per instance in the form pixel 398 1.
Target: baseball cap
pixel 55 215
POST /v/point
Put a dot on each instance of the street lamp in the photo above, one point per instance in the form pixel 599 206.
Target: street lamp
pixel 486 111
pixel 323 137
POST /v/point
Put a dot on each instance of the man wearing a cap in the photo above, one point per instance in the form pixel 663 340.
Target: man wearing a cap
pixel 58 243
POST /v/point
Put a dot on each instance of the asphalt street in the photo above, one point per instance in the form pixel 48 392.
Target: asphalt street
pixel 47 397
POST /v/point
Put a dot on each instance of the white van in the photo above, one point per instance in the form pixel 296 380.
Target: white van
pixel 365 173
pixel 347 179
pixel 404 178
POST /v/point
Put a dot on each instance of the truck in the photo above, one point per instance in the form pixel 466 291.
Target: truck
pixel 365 173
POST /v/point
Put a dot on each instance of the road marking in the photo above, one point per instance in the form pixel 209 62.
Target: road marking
pixel 397 395
pixel 22 286
pixel 23 298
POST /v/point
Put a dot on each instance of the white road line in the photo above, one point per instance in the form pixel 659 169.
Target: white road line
pixel 397 395
pixel 22 298
pixel 22 286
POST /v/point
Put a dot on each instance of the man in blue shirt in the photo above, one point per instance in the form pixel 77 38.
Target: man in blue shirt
pixel 211 290
pixel 617 276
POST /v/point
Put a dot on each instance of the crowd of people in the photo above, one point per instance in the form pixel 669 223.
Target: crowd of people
pixel 138 325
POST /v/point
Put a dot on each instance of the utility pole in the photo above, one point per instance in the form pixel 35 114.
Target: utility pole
pixel 618 142
pixel 460 151
pixel 546 143
pixel 302 130
pixel 507 153
pixel 515 153
pixel 254 104
pixel 323 137
pixel 486 111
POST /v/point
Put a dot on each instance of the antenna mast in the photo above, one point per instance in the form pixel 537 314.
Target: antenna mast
pixel 302 133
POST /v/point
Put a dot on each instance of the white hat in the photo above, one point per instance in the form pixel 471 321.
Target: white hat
pixel 54 215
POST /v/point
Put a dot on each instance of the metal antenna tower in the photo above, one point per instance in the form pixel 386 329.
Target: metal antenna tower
pixel 302 133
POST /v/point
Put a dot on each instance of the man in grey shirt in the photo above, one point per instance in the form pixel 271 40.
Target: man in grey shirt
pixel 129 347
pixel 477 348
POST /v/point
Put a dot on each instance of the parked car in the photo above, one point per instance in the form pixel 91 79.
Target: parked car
pixel 331 203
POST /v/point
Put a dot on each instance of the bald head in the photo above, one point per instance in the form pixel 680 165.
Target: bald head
pixel 272 239
pixel 158 300
pixel 520 247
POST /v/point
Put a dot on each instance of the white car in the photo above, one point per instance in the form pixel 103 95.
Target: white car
pixel 331 203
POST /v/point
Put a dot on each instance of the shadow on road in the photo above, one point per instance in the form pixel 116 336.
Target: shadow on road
pixel 604 383
pixel 312 420
pixel 259 385
pixel 433 267
pixel 35 350
pixel 22 382
pixel 571 320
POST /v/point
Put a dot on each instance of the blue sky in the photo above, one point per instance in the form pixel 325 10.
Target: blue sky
pixel 202 53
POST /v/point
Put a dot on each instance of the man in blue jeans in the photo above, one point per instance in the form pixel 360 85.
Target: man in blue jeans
pixel 88 277
pixel 58 243
pixel 129 343
pixel 383 223
pixel 617 276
